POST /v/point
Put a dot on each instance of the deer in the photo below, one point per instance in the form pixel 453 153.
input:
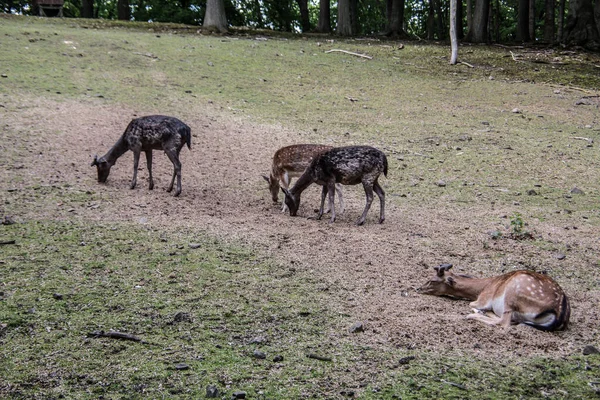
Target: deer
pixel 346 165
pixel 290 162
pixel 153 132
pixel 517 297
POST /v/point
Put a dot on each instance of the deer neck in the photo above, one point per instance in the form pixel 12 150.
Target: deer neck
pixel 302 183
pixel 470 288
pixel 116 151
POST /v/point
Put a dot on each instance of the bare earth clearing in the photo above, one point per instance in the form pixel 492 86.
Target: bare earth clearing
pixel 370 272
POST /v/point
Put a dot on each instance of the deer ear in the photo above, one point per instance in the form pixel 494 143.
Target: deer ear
pixel 95 162
pixel 440 269
pixel 450 281
pixel 266 178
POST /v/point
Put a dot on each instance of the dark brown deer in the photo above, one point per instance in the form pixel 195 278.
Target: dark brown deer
pixel 154 132
pixel 346 165
pixel 518 297
pixel 290 162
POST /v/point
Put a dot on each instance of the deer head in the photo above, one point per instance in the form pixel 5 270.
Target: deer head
pixel 441 284
pixel 103 167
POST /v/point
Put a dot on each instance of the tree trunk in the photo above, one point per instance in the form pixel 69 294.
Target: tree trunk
pixel 582 27
pixel 395 18
pixel 324 25
pixel 523 21
pixel 561 19
pixel 123 12
pixel 346 24
pixel 549 21
pixel 453 38
pixel 304 18
pixel 214 18
pixel 87 8
pixel 460 31
pixel 430 21
pixel 480 21
pixel 532 20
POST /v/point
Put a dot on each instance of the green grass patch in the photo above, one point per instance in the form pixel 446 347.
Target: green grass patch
pixel 207 312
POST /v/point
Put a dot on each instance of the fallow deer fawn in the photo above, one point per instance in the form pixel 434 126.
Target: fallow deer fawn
pixel 290 162
pixel 518 297
pixel 154 132
pixel 346 165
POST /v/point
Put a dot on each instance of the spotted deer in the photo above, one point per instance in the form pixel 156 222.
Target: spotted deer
pixel 518 297
pixel 346 165
pixel 154 132
pixel 290 162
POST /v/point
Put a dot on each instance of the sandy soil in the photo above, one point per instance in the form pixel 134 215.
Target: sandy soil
pixel 370 271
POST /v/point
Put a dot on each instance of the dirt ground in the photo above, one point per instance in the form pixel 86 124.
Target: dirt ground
pixel 371 272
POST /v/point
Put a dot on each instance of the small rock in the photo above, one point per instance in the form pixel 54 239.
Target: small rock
pixel 278 359
pixel 532 192
pixel 587 350
pixel 182 367
pixel 8 221
pixel 238 395
pixel 195 245
pixel 516 111
pixel 357 327
pixel 258 340
pixel 441 183
pixel 576 190
pixel 182 317
pixel 212 392
pixel 259 354
pixel 405 360
pixel 560 256
pixel 4 76
pixel 57 296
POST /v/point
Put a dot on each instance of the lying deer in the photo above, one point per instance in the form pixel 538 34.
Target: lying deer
pixel 518 297
pixel 348 166
pixel 290 162
pixel 155 132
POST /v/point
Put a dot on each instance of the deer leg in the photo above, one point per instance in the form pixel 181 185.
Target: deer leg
pixel 284 183
pixel 331 191
pixel 323 195
pixel 381 194
pixel 136 163
pixel 174 157
pixel 149 164
pixel 486 319
pixel 369 194
pixel 338 189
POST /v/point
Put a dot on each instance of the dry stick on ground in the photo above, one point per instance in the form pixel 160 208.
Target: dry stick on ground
pixel 351 53
pixel 583 138
pixel 116 335
pixel 3 242
pixel 318 357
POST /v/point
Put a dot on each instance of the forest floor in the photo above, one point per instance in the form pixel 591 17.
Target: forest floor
pixel 369 273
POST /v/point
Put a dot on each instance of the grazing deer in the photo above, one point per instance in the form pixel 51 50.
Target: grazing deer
pixel 348 166
pixel 518 297
pixel 155 132
pixel 290 162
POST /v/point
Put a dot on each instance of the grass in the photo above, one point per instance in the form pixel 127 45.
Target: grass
pixel 204 311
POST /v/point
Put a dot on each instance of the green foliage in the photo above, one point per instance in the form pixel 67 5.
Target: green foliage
pixel 518 230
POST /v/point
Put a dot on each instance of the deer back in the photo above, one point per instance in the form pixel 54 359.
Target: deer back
pixel 534 299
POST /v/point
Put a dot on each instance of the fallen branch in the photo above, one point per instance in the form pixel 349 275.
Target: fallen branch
pixel 456 385
pixel 115 335
pixel 466 63
pixel 589 140
pixel 514 57
pixel 3 242
pixel 318 357
pixel 351 53
pixel 149 55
